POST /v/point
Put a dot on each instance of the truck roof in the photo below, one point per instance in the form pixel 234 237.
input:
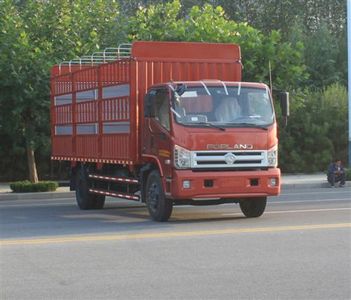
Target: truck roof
pixel 154 51
pixel 212 82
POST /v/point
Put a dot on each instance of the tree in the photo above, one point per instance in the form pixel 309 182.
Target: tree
pixel 316 132
pixel 22 84
pixel 210 24
pixel 268 15
pixel 321 57
pixel 289 35
pixel 35 35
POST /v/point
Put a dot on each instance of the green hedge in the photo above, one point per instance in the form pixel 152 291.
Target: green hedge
pixel 28 187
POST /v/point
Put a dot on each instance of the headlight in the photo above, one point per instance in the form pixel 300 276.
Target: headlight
pixel 182 158
pixel 272 157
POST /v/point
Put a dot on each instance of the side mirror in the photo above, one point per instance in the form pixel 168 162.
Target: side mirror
pixel 149 112
pixel 284 104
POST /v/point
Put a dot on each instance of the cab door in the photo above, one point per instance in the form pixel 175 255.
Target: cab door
pixel 157 131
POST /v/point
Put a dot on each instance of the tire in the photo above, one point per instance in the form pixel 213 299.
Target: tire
pixel 159 207
pixel 86 200
pixel 253 207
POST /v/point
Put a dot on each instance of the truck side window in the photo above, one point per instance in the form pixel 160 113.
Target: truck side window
pixel 161 106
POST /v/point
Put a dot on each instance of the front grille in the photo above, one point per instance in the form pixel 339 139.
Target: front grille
pixel 229 159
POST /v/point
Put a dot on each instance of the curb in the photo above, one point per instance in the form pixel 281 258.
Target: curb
pixel 69 194
pixel 310 185
pixel 39 195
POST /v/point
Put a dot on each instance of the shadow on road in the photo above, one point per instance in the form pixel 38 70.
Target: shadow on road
pixel 56 219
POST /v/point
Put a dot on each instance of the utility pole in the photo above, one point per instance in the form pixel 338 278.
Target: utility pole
pixel 348 70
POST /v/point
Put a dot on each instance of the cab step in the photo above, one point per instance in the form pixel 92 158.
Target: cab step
pixel 115 179
pixel 114 194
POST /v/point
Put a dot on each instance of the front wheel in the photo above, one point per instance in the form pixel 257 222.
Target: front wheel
pixel 159 207
pixel 253 207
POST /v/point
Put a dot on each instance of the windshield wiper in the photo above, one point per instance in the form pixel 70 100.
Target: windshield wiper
pixel 248 125
pixel 207 125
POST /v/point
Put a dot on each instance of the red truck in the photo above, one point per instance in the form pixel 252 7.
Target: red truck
pixel 165 123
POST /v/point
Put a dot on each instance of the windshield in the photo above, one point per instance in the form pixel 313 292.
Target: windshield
pixel 224 106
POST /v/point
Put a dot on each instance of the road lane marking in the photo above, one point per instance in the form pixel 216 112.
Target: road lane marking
pixel 69 205
pixel 328 191
pixel 35 200
pixel 167 235
pixel 270 201
pixel 307 210
pixel 37 205
pixel 72 203
pixel 297 211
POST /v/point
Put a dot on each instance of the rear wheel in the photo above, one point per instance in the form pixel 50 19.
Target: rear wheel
pixel 86 200
pixel 159 207
pixel 253 207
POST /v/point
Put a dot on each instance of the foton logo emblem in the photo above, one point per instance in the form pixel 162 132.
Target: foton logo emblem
pixel 229 147
pixel 229 158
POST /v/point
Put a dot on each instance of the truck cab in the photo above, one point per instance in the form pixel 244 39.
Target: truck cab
pixel 214 141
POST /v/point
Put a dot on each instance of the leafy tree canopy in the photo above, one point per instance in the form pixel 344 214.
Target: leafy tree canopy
pixel 33 36
pixel 210 24
pixel 304 41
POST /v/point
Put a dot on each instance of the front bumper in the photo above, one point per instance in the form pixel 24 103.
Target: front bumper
pixel 223 185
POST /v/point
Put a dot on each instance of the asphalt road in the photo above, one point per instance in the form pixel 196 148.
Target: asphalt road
pixel 299 249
